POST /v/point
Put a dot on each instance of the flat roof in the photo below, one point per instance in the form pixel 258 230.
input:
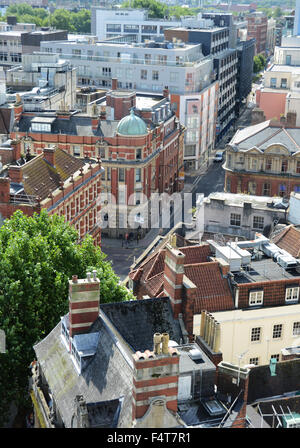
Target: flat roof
pixel 255 313
pixel 238 200
pixel 144 102
pixel 43 120
pixel 264 270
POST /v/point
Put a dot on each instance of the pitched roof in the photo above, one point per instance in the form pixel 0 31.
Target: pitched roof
pixel 75 125
pixel 107 377
pixel 39 177
pixel 213 291
pixel 138 320
pixel 264 134
pixel 6 122
pixel 289 240
pixel 106 381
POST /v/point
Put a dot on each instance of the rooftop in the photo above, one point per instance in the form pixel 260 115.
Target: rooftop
pixel 264 270
pixel 289 240
pixel 261 136
pixel 238 200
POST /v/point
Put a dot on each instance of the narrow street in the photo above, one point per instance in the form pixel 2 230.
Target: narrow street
pixel 209 180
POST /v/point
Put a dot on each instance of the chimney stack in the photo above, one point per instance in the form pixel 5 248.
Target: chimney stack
pixel 166 92
pixel 114 84
pixel 5 190
pixel 234 381
pixel 155 375
pixel 173 277
pixel 16 148
pixel 15 174
pixel 49 154
pixel 84 302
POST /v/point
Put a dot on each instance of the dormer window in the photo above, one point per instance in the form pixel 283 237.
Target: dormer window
pixel 83 348
pixel 256 297
pixel 292 294
pixel 42 124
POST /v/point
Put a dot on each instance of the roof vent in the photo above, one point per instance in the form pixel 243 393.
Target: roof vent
pixel 214 407
pixel 196 355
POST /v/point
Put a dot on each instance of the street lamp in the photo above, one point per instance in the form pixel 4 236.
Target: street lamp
pixel 240 357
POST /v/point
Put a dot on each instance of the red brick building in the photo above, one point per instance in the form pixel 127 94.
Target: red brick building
pixel 138 138
pixel 205 279
pixel 257 29
pixel 188 276
pixel 56 181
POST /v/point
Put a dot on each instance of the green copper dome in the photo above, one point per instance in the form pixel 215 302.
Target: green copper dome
pixel 132 125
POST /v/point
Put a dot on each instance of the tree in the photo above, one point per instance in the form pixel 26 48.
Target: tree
pixel 259 62
pixel 38 255
pixel 61 20
pixel 81 21
pixel 277 12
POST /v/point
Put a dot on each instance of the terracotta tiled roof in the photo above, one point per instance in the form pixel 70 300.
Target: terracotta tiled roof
pixel 155 285
pixel 39 177
pixel 213 292
pixel 289 240
pixel 196 254
pixel 150 273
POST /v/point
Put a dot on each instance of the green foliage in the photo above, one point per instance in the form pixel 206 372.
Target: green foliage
pixel 158 9
pixel 277 12
pixel 38 256
pixel 259 63
pixel 79 22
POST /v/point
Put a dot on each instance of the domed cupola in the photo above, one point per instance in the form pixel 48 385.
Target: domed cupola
pixel 132 125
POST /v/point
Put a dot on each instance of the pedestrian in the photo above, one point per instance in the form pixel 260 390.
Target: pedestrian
pixel 126 239
pixel 137 238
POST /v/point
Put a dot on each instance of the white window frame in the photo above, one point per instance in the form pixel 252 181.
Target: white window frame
pixel 235 217
pixel 296 328
pixel 254 299
pixel 276 330
pixel 258 218
pixel 254 360
pixel 255 334
pixel 290 295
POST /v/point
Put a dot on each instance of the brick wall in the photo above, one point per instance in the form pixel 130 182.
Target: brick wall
pixel 274 291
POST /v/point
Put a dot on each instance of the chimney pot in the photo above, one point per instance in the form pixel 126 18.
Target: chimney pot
pixel 88 276
pixel 94 274
pixel 74 278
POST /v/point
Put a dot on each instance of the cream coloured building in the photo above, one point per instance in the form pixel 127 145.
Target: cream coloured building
pixel 251 336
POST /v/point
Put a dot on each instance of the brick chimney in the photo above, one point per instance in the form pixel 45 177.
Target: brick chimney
pixel 173 277
pixel 291 118
pixel 114 84
pixel 15 174
pixel 84 303
pixel 4 190
pixel 155 375
pixel 16 149
pixel 166 92
pixel 49 155
pixel 234 381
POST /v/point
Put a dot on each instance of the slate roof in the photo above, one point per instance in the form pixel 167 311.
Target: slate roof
pixel 289 240
pixel 106 382
pixel 264 134
pixel 138 320
pixel 108 376
pixel 39 177
pixel 6 120
pixel 76 125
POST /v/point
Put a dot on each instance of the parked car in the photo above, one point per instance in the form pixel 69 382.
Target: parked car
pixel 219 156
